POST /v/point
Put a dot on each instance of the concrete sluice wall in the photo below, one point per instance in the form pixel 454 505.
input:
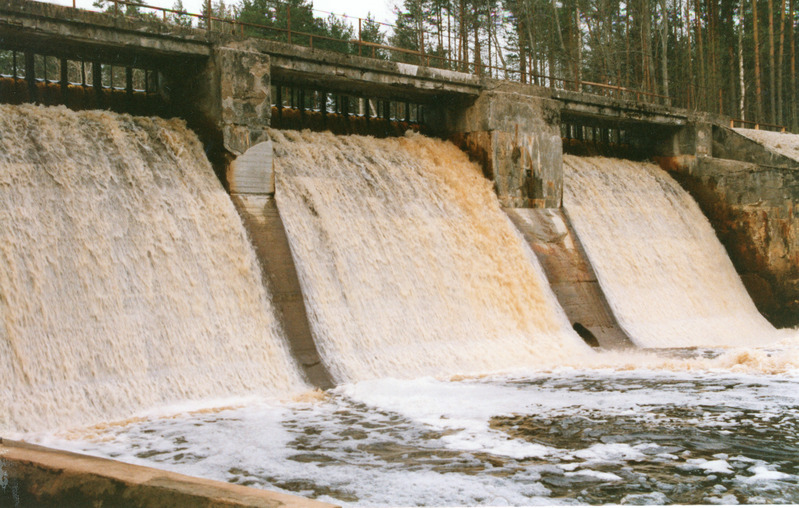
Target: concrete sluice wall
pixel 570 275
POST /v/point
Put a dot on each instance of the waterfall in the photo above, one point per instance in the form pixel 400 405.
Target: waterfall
pixel 667 277
pixel 126 277
pixel 408 265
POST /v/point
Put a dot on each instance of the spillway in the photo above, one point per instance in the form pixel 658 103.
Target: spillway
pixel 408 265
pixel 126 277
pixel 667 277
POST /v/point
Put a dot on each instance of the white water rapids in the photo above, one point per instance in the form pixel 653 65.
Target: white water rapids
pixel 126 277
pixel 129 291
pixel 666 276
pixel 408 264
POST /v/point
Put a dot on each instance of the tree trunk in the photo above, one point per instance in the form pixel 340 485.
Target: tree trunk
pixel 742 103
pixel 478 62
pixel 522 47
pixel 758 83
pixel 561 46
pixel 579 44
pixel 780 63
pixel 664 40
pixel 464 38
pixel 628 66
pixel 646 36
pixel 794 103
pixel 500 56
pixel 534 63
pixel 772 63
pixel 701 95
pixel 691 99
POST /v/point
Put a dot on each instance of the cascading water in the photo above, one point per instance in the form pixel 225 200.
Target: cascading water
pixel 409 268
pixel 126 277
pixel 664 272
pixel 408 265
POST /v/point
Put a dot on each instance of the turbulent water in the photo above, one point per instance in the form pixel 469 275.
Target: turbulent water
pixel 127 282
pixel 126 277
pixel 666 276
pixel 408 265
pixel 687 427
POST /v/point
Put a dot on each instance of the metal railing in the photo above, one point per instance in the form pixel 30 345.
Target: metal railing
pixel 371 49
pixel 757 125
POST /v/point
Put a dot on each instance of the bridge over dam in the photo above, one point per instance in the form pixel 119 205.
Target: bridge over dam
pixel 230 89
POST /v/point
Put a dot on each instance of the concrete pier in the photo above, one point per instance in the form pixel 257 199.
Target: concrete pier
pixel 570 275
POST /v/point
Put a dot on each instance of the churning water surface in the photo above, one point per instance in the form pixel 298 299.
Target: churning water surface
pixel 691 426
pixel 127 282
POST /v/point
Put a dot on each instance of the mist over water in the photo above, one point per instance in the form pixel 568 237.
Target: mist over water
pixel 666 276
pixel 126 277
pixel 408 264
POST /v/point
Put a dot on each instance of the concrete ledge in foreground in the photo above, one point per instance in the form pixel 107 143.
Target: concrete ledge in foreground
pixel 33 475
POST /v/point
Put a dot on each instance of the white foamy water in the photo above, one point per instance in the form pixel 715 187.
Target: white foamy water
pixel 126 277
pixel 693 434
pixel 408 265
pixel 666 276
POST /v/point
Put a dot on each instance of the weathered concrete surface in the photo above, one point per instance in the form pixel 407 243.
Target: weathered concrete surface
pixel 331 71
pixel 42 477
pixel 516 138
pixel 612 109
pixel 252 172
pixel 252 189
pixel 570 275
pixel 728 144
pixel 61 31
pixel 268 235
pixel 755 212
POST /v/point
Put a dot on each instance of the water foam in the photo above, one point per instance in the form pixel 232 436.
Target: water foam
pixel 667 277
pixel 408 265
pixel 126 277
pixel 560 437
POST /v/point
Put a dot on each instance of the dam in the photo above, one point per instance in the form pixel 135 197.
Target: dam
pixel 372 283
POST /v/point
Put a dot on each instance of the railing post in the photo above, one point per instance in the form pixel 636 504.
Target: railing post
pixel 208 15
pixel 360 38
pixel 64 80
pixel 30 76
